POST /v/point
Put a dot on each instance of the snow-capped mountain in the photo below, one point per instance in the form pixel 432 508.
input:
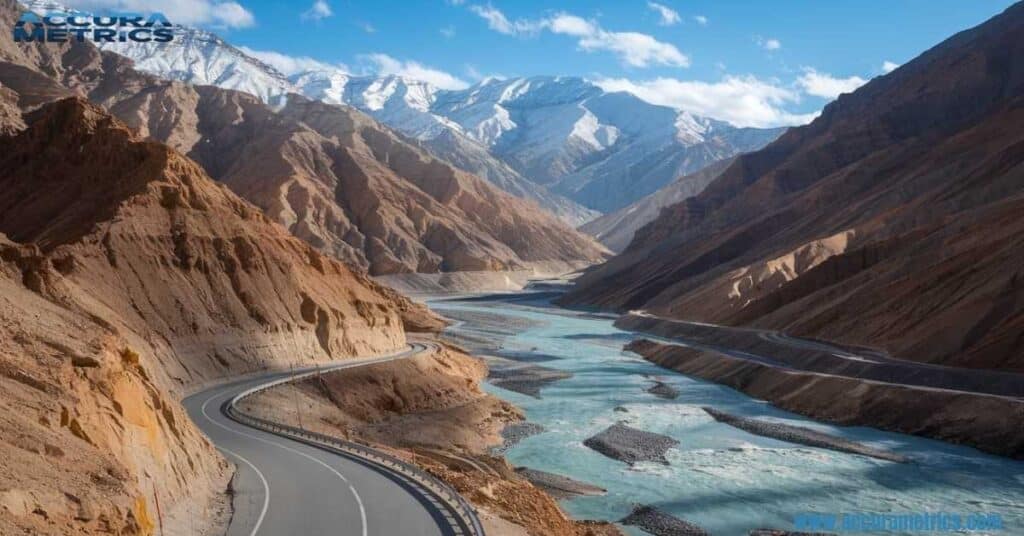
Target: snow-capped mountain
pixel 194 56
pixel 395 101
pixel 561 141
pixel 601 149
pixel 202 58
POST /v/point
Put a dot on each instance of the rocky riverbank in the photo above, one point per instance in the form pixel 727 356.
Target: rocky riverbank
pixel 990 423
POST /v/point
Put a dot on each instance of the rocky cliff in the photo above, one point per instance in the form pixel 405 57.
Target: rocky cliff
pixel 128 276
pixel 888 221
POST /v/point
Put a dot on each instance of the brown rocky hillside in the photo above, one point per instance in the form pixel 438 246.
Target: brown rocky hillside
pixel 893 220
pixel 331 175
pixel 128 276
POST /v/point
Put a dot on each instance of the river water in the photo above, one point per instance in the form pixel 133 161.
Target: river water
pixel 721 478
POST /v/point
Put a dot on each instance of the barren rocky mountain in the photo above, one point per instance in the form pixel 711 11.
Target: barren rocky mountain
pixel 616 230
pixel 892 220
pixel 200 57
pixel 336 178
pixel 563 142
pixel 129 276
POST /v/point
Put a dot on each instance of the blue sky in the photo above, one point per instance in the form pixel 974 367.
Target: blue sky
pixel 755 63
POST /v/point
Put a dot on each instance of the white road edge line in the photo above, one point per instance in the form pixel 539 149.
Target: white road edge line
pixel 266 489
pixel 359 500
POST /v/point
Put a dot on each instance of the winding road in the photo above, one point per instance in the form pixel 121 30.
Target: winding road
pixel 288 487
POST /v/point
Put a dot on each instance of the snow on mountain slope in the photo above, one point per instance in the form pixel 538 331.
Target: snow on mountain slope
pixel 604 150
pixel 561 141
pixel 398 102
pixel 194 56
pixel 200 57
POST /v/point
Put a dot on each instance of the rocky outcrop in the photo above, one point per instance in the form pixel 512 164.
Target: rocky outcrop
pixel 90 435
pixel 129 277
pixel 888 221
pixel 119 214
pixel 663 390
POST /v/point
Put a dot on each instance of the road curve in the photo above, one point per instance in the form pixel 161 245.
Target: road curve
pixel 287 487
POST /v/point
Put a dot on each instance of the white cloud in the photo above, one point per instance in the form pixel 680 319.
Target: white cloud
pixel 741 100
pixel 701 19
pixel 214 13
pixel 367 27
pixel 632 48
pixel 386 65
pixel 889 66
pixel 448 31
pixel 825 85
pixel 768 43
pixel 318 11
pixel 668 15
pixel 290 65
pixel 497 21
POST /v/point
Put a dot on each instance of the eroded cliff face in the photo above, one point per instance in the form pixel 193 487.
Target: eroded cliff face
pixel 90 437
pixel 129 277
pixel 884 222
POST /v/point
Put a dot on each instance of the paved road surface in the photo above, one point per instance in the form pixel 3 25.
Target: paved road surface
pixel 870 365
pixel 284 487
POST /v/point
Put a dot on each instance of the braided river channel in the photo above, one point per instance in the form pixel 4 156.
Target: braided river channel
pixel 718 477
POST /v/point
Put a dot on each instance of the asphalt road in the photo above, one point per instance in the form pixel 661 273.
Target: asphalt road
pixel 284 487
pixel 869 365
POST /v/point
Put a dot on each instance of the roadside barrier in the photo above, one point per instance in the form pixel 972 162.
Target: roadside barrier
pixel 457 512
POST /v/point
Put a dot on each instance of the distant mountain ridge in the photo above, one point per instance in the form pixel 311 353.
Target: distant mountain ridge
pixel 330 174
pixel 563 142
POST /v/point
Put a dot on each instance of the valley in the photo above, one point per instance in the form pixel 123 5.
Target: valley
pixel 721 478
pixel 249 293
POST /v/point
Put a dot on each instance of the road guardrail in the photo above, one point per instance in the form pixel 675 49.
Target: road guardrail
pixel 458 513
